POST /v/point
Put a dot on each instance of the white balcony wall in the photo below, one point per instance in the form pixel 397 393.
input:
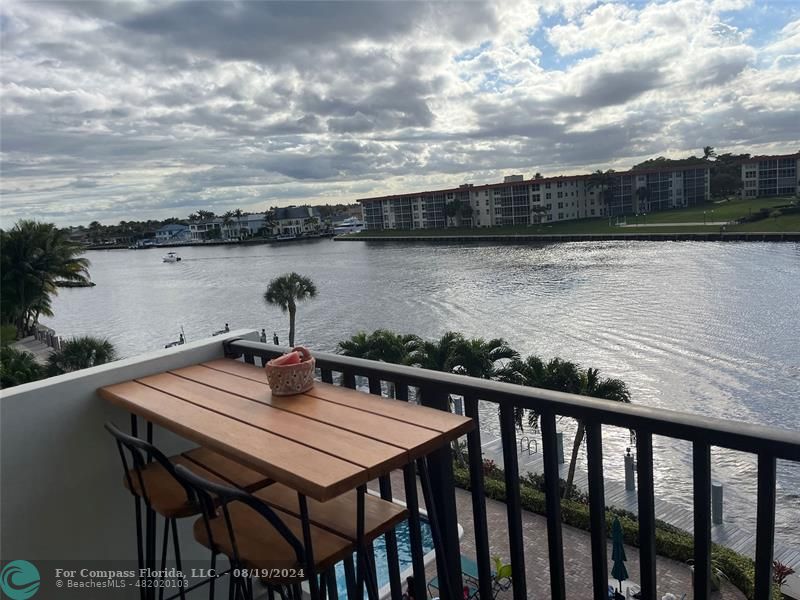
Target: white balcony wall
pixel 61 479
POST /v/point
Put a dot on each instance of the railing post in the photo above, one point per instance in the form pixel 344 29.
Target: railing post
pixel 553 505
pixel 765 526
pixel 647 517
pixel 701 459
pixel 442 482
pixel 597 510
pixel 513 503
pixel 478 501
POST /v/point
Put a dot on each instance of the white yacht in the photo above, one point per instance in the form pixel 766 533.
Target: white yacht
pixel 171 257
pixel 351 225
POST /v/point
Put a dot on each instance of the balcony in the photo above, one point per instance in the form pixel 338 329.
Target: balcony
pixel 63 502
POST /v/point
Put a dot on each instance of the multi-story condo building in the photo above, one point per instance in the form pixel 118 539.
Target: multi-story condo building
pixel 517 201
pixel 771 176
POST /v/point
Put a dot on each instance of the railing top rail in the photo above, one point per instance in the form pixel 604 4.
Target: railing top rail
pixel 780 443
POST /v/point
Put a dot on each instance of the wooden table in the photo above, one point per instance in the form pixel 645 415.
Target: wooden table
pixel 323 443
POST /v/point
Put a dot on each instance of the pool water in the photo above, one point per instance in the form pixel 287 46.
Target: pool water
pixel 381 563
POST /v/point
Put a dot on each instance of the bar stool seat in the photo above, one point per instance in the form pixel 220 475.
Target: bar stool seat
pixel 260 546
pixel 339 514
pixel 168 497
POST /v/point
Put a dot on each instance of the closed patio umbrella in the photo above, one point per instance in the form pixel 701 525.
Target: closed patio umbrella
pixel 618 570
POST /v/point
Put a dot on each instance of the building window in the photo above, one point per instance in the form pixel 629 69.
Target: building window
pixel 548 195
pixel 560 205
pixel 560 215
pixel 560 195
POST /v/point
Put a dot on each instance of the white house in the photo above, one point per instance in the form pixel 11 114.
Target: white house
pixel 174 232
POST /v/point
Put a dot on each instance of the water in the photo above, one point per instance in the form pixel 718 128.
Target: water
pixel 381 562
pixel 706 328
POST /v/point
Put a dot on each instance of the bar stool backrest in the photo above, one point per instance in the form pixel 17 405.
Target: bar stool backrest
pixel 213 497
pixel 141 452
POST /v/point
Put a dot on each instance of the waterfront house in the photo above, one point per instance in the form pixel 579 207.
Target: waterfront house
pixel 172 233
pixel 244 226
pixel 205 230
pixel 296 220
pixel 53 428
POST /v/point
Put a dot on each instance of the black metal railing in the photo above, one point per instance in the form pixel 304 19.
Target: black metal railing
pixel 433 388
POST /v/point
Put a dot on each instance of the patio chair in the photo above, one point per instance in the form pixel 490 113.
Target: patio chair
pixel 256 537
pixel 150 478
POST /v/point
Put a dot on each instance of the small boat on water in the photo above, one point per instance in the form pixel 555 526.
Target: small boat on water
pixel 171 257
pixel 351 225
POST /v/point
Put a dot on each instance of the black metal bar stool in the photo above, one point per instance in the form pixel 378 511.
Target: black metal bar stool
pixel 263 542
pixel 150 477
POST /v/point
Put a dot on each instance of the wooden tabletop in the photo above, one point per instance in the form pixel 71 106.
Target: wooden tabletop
pixel 321 443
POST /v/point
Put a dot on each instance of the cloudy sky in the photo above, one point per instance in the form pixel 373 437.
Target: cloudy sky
pixel 115 111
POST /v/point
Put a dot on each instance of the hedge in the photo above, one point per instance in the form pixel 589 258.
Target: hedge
pixel 671 542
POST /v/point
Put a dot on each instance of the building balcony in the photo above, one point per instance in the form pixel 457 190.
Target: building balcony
pixel 63 502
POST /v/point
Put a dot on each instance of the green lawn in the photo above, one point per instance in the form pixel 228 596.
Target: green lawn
pixel 715 212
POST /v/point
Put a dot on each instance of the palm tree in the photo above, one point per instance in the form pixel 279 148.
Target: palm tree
pixel 81 353
pixel 436 355
pixel 382 345
pixel 602 181
pixel 708 152
pixel 286 291
pixel 17 367
pixel 33 256
pixel 607 389
pixel 452 209
pixel 480 358
pixel 556 374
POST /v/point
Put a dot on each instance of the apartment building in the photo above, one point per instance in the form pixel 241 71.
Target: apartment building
pixel 765 176
pixel 517 201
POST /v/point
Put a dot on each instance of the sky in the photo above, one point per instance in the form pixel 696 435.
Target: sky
pixel 133 110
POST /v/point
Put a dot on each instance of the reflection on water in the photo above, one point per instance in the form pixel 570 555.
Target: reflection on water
pixel 707 328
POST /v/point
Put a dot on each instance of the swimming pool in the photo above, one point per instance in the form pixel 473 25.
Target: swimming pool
pixel 403 556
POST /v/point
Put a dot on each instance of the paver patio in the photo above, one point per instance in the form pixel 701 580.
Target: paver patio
pixel 673 577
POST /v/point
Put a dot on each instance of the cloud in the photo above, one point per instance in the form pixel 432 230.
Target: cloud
pixel 140 109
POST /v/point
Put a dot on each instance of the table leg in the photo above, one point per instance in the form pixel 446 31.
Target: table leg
pixel 311 573
pixel 445 582
pixel 350 577
pixel 360 548
pixel 150 519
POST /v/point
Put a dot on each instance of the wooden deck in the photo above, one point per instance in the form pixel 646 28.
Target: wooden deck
pixel 726 534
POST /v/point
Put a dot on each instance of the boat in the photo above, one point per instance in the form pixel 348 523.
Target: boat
pixel 171 257
pixel 350 225
pixel 285 237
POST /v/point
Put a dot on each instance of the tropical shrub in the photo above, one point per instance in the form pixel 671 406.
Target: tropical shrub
pixel 18 367
pixel 81 353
